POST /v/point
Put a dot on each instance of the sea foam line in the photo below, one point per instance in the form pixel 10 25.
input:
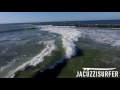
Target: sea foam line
pixel 50 46
pixel 6 66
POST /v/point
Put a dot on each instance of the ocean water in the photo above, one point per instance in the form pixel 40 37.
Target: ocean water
pixel 27 45
pixel 83 22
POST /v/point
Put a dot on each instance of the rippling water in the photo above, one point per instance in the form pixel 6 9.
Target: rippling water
pixel 23 45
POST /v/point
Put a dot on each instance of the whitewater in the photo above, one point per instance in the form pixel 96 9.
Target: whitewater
pixel 69 36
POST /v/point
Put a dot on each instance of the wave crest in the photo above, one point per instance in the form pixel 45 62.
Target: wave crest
pixel 69 36
pixel 37 59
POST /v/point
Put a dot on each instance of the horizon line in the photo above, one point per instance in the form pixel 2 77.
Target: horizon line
pixel 57 21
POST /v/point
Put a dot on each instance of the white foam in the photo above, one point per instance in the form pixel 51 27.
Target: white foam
pixel 43 26
pixel 111 37
pixel 69 36
pixel 6 66
pixel 37 59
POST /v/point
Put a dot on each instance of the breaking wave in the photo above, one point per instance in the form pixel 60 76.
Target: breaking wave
pixel 69 36
pixel 49 47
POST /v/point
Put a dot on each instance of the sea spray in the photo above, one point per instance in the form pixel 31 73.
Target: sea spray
pixel 69 36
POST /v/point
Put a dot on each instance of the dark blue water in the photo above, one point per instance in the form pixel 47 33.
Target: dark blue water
pixel 84 22
pixel 21 26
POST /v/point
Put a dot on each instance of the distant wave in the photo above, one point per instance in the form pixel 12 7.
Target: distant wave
pixel 17 30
